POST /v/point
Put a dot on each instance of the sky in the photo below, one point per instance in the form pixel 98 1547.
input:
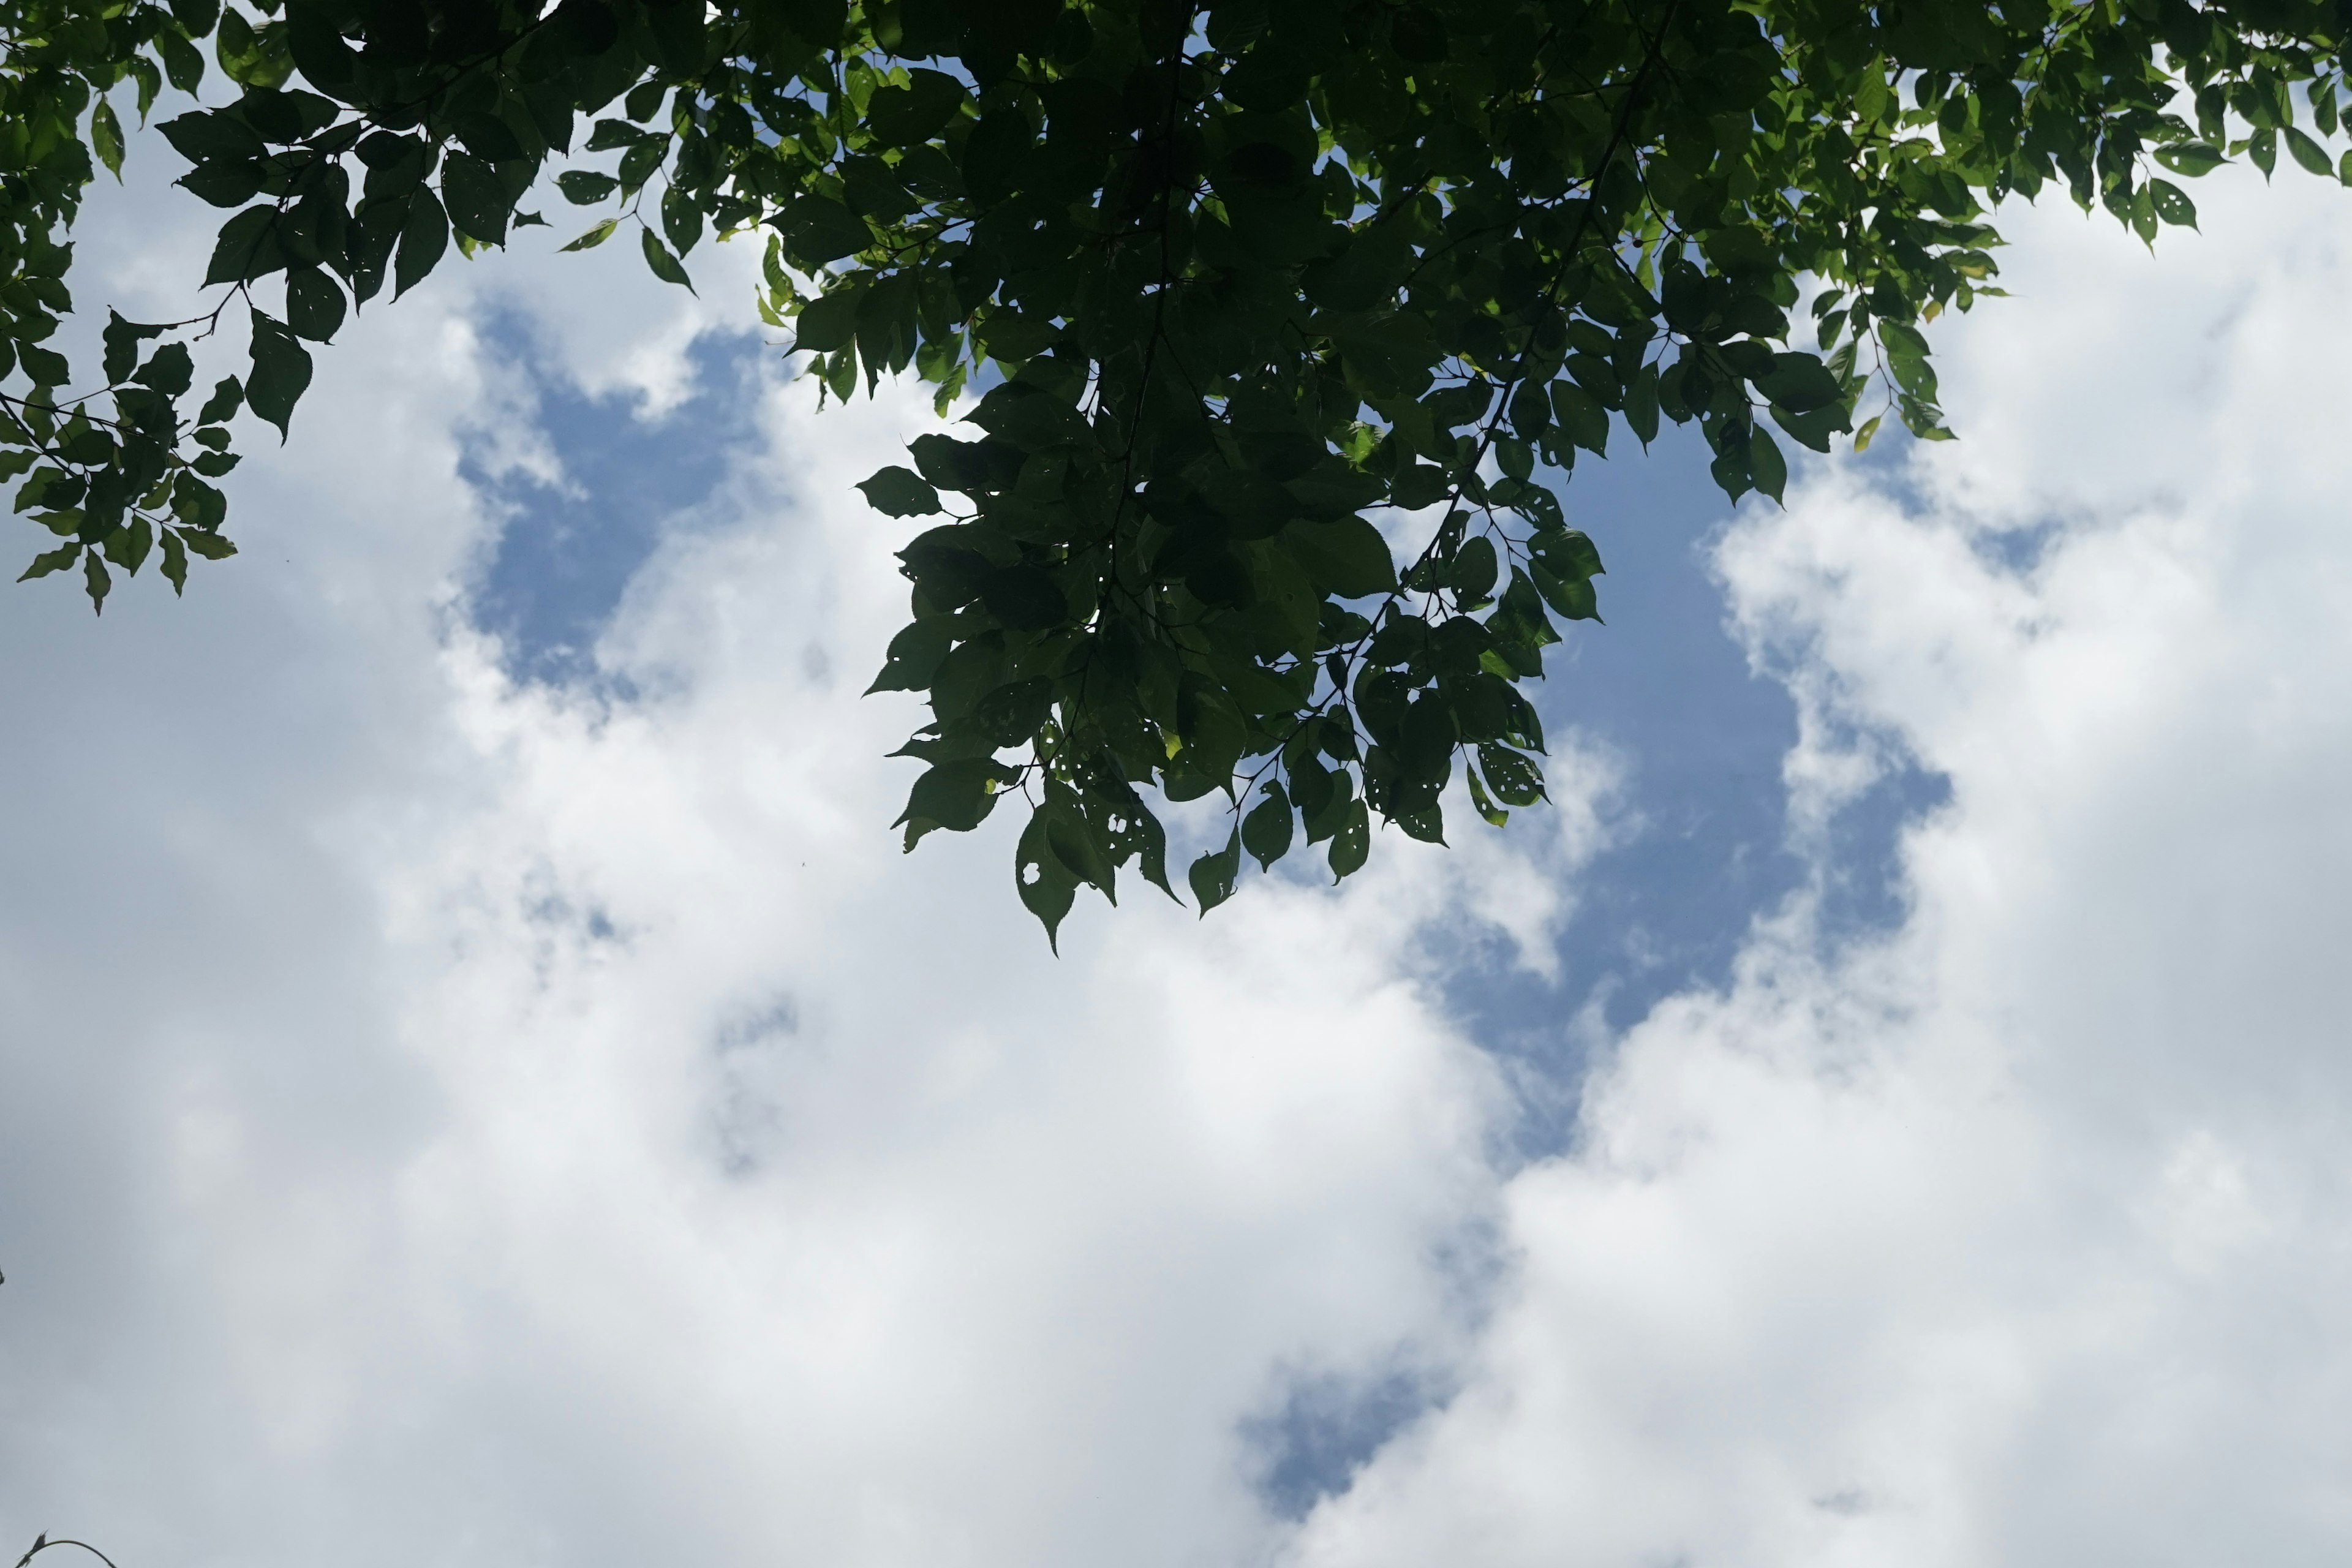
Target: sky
pixel 479 1081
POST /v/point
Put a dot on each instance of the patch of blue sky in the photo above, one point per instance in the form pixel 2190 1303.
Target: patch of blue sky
pixel 1701 849
pixel 1700 846
pixel 1325 1429
pixel 570 545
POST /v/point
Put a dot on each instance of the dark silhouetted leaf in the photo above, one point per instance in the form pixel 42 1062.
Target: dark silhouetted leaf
pixel 901 492
pixel 1214 875
pixel 282 371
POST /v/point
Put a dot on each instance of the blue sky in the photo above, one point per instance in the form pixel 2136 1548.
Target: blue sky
pixel 478 1079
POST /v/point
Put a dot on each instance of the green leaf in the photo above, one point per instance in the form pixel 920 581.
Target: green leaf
pixel 1581 416
pixel 995 154
pixel 106 138
pixel 1729 471
pixel 1348 559
pixel 175 561
pixel 894 492
pixel 1573 598
pixel 486 136
pixel 282 371
pixel 584 187
pixel 826 322
pixel 127 545
pixel 903 115
pixel 1212 876
pixel 314 304
pixel 956 795
pixel 1516 780
pixel 477 199
pixel 53 488
pixel 2190 158
pixel 424 240
pixel 122 340
pixel 638 164
pixel 2263 148
pixel 1766 464
pixel 1389 352
pixel 205 134
pixel 608 134
pixel 235 43
pixel 1010 336
pixel 2309 154
pixel 1474 570
pixel 1025 597
pixel 182 62
pixel 46 366
pixel 1266 831
pixel 1515 457
pixel 229 396
pixel 1495 815
pixel 1641 405
pixel 1814 429
pixel 169 370
pixel 665 265
pixel 1800 383
pixel 913 659
pixel 247 248
pixel 681 218
pixel 2172 204
pixel 1270 78
pixel 840 373
pixel 1569 552
pixel 1075 842
pixel 99 584
pixel 595 237
pixel 817 229
pixel 1046 886
pixel 1351 845
pixel 56 559
pixel 196 503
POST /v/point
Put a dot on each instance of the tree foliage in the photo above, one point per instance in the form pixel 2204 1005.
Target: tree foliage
pixel 1230 278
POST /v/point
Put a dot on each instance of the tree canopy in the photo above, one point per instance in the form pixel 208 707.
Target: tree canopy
pixel 1229 279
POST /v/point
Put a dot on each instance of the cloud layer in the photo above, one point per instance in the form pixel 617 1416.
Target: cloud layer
pixel 488 1121
pixel 2022 1237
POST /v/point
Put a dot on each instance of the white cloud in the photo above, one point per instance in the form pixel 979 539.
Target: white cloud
pixel 453 1120
pixel 2017 1237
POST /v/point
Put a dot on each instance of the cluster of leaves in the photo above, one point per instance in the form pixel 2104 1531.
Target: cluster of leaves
pixel 1232 279
pixel 114 472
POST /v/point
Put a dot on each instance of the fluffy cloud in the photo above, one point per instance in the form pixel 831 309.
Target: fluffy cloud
pixel 450 1117
pixel 2019 1236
